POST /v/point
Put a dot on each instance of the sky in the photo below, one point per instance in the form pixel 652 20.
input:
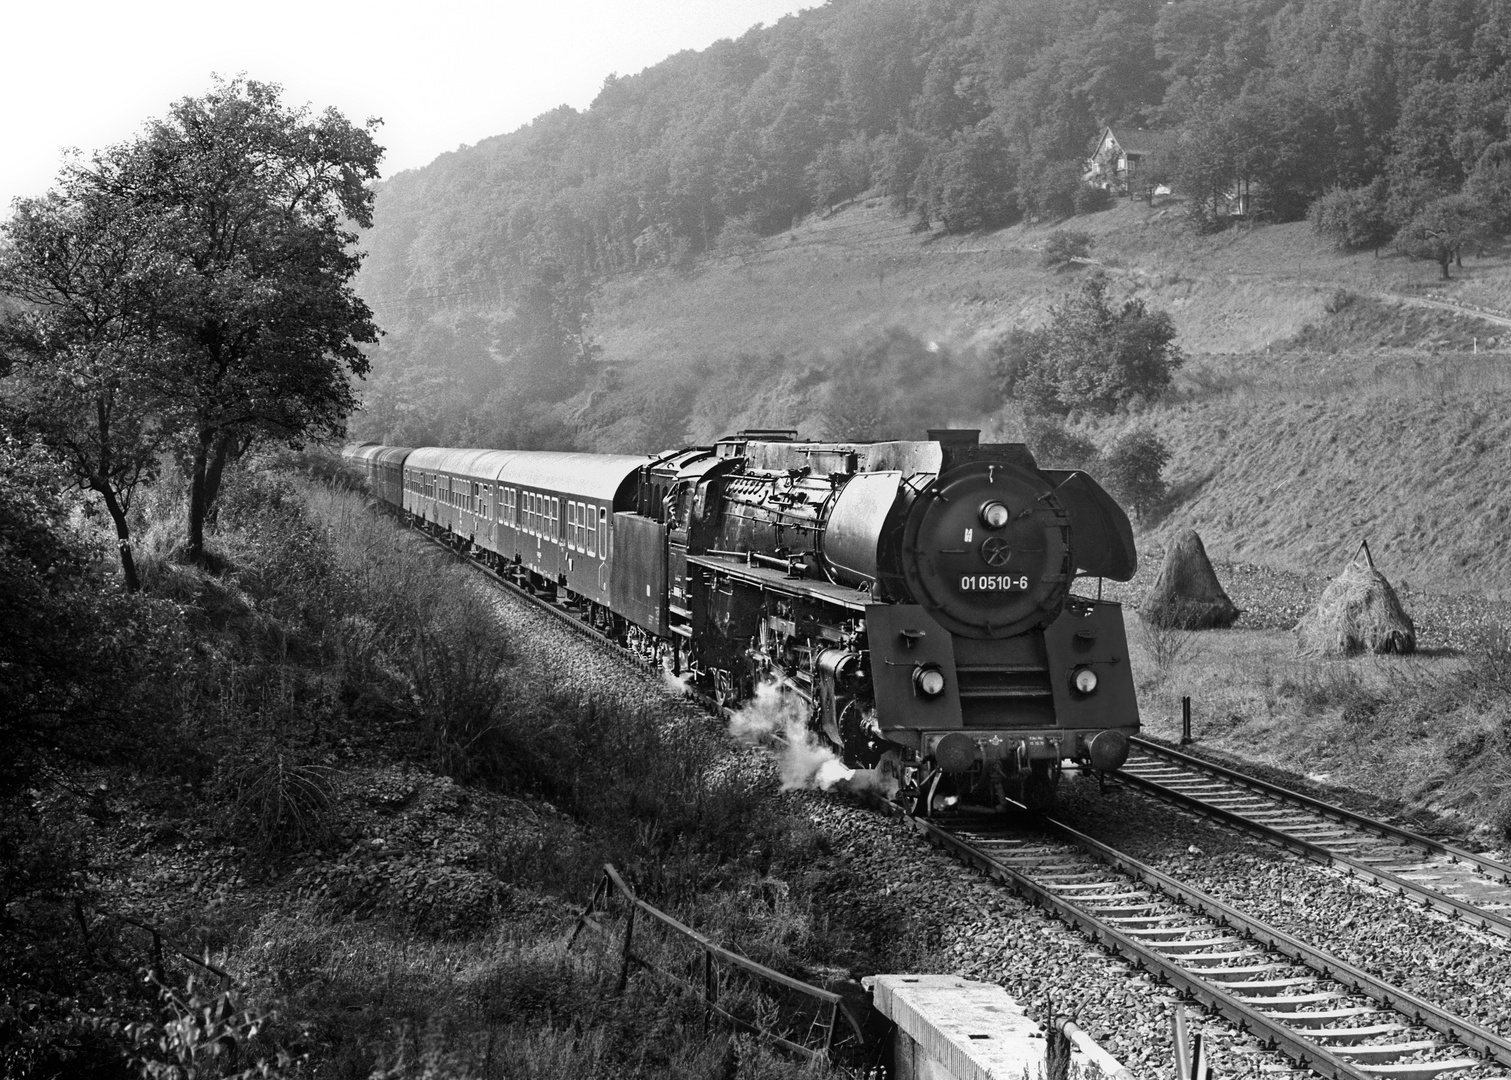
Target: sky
pixel 440 74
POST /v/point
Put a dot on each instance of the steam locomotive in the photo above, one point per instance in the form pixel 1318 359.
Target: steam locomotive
pixel 917 596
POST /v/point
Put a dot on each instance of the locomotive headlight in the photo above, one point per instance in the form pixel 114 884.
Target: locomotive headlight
pixel 1084 680
pixel 994 515
pixel 928 680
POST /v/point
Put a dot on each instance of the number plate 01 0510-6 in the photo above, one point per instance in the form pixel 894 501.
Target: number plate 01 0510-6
pixel 992 583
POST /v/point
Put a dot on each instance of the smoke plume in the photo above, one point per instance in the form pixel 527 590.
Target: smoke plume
pixel 778 719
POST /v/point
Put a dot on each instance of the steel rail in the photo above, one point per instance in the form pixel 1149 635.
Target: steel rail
pixel 1479 1039
pixel 1246 1017
pixel 1320 853
pixel 1490 867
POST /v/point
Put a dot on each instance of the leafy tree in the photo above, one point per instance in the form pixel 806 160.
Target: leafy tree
pixel 899 157
pixel 79 343
pixel 1490 183
pixel 1353 218
pixel 1096 355
pixel 230 217
pixel 1133 469
pixel 1048 188
pixel 1441 230
pixel 839 172
pixel 968 183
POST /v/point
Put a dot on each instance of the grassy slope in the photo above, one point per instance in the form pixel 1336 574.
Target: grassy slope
pixel 1298 431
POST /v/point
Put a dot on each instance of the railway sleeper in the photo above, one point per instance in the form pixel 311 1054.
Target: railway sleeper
pixel 1419 1070
pixel 1292 1002
pixel 1389 1051
pixel 1311 1020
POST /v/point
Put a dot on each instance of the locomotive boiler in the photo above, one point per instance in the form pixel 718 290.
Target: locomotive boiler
pixel 918 597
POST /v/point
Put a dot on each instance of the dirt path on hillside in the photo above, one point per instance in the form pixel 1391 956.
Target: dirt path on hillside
pixel 1498 318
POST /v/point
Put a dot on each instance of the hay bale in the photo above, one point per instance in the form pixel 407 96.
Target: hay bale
pixel 1358 612
pixel 1187 595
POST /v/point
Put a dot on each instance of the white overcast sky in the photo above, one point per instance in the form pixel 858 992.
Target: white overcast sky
pixel 440 74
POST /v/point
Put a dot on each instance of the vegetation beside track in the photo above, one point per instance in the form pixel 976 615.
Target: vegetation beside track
pixel 331 771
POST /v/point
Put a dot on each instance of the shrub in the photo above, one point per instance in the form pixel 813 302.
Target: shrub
pixel 1097 356
pixel 275 795
pixel 1063 246
pixel 1132 468
pixel 1092 199
pixel 1353 218
pixel 1055 447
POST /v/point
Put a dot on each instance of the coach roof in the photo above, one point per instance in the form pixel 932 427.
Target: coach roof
pixel 481 465
pixel 590 476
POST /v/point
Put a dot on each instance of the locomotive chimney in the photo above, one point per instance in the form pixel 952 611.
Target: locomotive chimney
pixel 955 436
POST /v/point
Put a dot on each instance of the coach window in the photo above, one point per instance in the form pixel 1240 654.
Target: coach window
pixel 603 532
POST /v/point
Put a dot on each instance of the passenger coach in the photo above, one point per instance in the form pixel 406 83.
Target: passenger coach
pixel 551 514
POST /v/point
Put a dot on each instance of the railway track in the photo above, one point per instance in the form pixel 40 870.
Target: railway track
pixel 1325 1015
pixel 1457 883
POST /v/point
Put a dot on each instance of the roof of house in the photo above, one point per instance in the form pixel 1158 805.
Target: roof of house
pixel 1140 141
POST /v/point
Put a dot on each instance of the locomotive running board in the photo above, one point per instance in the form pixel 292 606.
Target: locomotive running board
pixel 779 582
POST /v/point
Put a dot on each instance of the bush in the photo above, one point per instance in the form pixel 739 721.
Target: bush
pixel 1095 356
pixel 1063 246
pixel 1093 199
pixel 1132 468
pixel 1353 218
pixel 1054 447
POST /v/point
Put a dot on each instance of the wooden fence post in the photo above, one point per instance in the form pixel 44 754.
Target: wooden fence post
pixel 629 935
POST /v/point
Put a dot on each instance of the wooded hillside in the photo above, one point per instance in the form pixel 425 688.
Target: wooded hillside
pixel 1389 119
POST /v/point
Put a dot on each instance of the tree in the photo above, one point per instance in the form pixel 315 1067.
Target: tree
pixel 1133 469
pixel 1441 230
pixel 1097 356
pixel 232 218
pixel 77 345
pixel 967 183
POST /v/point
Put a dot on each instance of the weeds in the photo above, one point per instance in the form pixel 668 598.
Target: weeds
pixel 204 1031
pixel 1169 646
pixel 276 796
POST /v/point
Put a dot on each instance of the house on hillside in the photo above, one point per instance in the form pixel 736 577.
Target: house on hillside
pixel 1118 160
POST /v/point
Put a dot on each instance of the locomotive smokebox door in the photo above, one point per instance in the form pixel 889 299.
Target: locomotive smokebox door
pixel 912 671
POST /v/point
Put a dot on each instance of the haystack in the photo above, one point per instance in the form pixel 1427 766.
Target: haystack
pixel 1187 595
pixel 1359 611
